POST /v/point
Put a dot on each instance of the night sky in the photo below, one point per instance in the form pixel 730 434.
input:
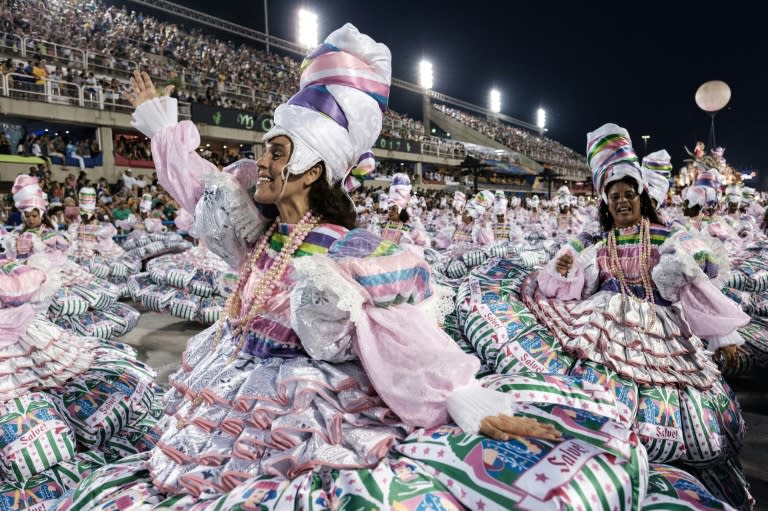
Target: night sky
pixel 637 64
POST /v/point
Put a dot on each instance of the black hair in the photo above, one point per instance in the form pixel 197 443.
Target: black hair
pixel 88 218
pixel 404 216
pixel 646 205
pixel 331 202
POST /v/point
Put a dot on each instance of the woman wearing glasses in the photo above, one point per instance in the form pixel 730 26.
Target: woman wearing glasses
pixel 632 305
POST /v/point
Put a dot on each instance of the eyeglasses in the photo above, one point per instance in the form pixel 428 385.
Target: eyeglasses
pixel 629 196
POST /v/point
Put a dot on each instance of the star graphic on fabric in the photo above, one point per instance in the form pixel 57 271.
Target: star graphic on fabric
pixel 413 450
pixel 531 394
pixel 517 395
pixel 654 498
pixel 580 476
pixel 480 505
pixel 289 498
pixel 463 493
pixel 426 450
pixel 542 477
pixel 594 498
pixel 441 453
pixel 450 483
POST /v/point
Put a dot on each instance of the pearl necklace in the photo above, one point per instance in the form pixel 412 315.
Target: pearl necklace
pixel 645 274
pixel 264 290
pixel 266 284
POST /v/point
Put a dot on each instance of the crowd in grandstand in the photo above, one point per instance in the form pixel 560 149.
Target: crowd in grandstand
pixel 204 69
pixel 538 147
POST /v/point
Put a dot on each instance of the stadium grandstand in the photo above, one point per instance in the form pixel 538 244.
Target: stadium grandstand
pixel 68 63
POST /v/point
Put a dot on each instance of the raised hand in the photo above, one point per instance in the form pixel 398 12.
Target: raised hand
pixel 501 427
pixel 143 89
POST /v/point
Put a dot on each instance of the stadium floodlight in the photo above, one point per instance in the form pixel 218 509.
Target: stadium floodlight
pixel 495 97
pixel 307 29
pixel 426 77
pixel 541 118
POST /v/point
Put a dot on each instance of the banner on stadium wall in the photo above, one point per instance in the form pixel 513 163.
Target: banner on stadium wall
pixel 230 118
pixel 396 144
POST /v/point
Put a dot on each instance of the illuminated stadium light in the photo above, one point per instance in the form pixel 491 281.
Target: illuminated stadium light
pixel 541 118
pixel 426 78
pixel 308 29
pixel 495 97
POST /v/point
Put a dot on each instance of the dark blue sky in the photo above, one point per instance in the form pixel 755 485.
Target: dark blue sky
pixel 637 64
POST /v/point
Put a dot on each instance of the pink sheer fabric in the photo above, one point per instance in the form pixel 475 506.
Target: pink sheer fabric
pixel 709 312
pixel 412 364
pixel 14 322
pixel 554 285
pixel 180 170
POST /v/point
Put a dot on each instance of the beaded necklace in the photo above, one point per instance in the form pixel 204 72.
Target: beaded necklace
pixel 266 284
pixel 645 274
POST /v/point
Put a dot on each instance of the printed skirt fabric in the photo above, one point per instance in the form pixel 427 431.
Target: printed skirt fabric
pixel 191 285
pixel 700 428
pixel 92 403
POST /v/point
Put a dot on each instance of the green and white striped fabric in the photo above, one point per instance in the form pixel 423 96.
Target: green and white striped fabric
pixel 35 436
pixel 67 303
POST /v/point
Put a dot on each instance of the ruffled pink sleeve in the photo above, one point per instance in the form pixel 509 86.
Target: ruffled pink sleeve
pixel 709 312
pixel 411 362
pixel 180 170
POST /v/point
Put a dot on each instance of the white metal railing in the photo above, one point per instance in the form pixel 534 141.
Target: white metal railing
pixel 55 51
pixel 11 42
pixel 25 87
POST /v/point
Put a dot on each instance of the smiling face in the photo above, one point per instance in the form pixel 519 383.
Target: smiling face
pixel 271 165
pixel 623 204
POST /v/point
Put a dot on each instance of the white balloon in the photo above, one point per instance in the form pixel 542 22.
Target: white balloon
pixel 713 96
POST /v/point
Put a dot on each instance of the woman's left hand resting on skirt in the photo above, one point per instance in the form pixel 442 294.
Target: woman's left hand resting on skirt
pixel 501 427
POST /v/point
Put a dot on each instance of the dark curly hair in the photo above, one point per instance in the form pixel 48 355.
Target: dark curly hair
pixel 331 202
pixel 646 206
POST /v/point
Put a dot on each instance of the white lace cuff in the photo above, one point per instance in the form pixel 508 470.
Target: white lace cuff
pixel 325 330
pixel 324 276
pixel 156 114
pixel 676 269
pixel 715 342
pixel 470 404
pixel 440 304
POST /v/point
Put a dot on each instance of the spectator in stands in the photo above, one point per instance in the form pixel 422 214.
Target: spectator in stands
pixel 71 211
pixel 103 214
pixel 5 144
pixel 55 149
pixel 15 218
pixel 140 184
pixel 129 182
pixel 121 211
pixel 55 191
pixel 40 74
pixel 56 214
pixel 71 152
pixel 70 187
